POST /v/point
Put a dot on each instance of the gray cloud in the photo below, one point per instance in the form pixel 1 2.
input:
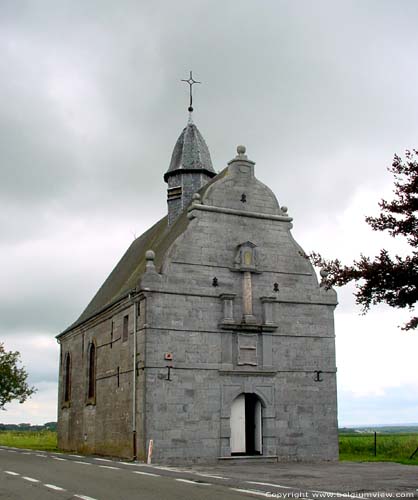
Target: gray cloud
pixel 396 405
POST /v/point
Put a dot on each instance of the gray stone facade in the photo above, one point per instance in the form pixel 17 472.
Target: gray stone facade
pixel 227 306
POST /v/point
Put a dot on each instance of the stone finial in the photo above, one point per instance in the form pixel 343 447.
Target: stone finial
pixel 284 210
pixel 196 199
pixel 241 164
pixel 241 152
pixel 150 279
pixel 324 274
pixel 150 256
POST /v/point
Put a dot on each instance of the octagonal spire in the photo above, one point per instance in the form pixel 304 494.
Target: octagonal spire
pixel 190 169
pixel 190 154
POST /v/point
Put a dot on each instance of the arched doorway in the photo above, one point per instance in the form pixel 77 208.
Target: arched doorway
pixel 246 425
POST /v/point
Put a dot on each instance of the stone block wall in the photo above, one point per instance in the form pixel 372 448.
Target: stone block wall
pixel 294 374
pixel 104 425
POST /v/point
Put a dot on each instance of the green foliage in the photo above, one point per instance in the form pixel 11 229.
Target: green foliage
pixel 43 440
pixel 390 447
pixel 49 426
pixel 386 279
pixel 13 383
pixel 380 429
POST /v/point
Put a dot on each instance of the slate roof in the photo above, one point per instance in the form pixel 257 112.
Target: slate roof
pixel 190 153
pixel 127 273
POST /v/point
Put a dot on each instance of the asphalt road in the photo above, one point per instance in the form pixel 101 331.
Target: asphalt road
pixel 32 475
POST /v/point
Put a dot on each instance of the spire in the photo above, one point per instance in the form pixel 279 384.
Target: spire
pixel 190 166
pixel 190 154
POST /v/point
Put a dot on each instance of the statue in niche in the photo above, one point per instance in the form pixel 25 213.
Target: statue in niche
pixel 246 258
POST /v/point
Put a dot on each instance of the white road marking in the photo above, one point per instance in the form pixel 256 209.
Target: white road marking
pixel 109 467
pixel 145 473
pixel 271 484
pixel 43 456
pixel 31 479
pixel 53 487
pixel 170 469
pixel 163 467
pixel 103 460
pixel 58 458
pixel 76 456
pixel 83 497
pixel 83 463
pixel 189 481
pixel 131 463
pixel 11 473
pixel 12 451
pixel 27 453
pixel 210 475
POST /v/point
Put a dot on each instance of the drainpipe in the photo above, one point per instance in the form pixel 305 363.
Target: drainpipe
pixel 134 452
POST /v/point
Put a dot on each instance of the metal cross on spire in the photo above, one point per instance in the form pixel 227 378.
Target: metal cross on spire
pixel 191 81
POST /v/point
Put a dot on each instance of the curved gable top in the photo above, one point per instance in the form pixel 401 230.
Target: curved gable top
pixel 239 189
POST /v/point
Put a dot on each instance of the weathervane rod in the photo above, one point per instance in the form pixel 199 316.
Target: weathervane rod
pixel 191 81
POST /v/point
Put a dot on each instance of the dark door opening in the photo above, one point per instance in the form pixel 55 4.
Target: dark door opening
pixel 246 421
pixel 250 424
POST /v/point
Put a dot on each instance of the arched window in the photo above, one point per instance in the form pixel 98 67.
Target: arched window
pixel 92 372
pixel 67 378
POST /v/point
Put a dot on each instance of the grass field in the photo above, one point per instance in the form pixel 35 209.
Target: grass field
pixel 42 440
pixel 353 447
pixel 390 447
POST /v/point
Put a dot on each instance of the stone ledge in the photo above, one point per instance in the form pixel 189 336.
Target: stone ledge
pixel 239 459
pixel 241 213
pixel 248 327
pixel 252 373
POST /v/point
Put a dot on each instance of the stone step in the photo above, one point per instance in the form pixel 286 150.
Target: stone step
pixel 240 459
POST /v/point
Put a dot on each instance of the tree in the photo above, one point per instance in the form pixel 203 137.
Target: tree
pixel 386 279
pixel 13 384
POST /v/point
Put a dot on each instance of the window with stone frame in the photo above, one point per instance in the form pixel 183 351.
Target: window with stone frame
pixel 247 349
pixel 125 328
pixel 67 378
pixel 91 381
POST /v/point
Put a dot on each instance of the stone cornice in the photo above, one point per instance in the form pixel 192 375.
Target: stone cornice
pixel 320 301
pixel 240 213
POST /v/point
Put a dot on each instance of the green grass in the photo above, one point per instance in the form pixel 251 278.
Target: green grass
pixel 353 447
pixel 390 448
pixel 33 440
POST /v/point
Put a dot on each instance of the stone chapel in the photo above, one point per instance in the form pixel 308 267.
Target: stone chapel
pixel 211 337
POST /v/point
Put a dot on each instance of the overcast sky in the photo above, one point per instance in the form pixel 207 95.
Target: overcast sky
pixel 322 93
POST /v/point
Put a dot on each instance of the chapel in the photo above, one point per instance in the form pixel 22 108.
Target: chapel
pixel 212 337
